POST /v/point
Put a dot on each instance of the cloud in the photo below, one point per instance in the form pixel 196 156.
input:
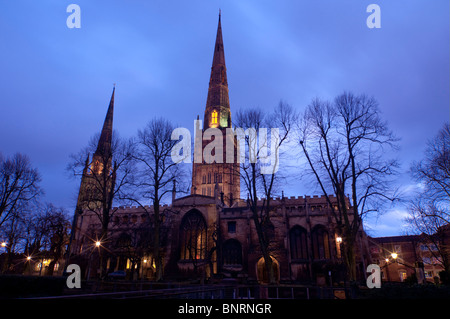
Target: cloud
pixel 390 223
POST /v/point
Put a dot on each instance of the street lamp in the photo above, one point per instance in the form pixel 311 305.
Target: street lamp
pixel 339 240
pixel 3 244
pixel 97 243
pixel 394 255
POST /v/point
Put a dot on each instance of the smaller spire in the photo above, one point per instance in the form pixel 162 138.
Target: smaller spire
pixel 104 143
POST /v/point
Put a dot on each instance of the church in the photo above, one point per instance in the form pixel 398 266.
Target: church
pixel 209 234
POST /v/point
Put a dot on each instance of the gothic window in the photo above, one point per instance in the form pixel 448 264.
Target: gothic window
pixel 297 239
pixel 204 179
pixel 320 243
pixel 209 178
pixel 219 178
pixel 232 252
pixel 193 236
pixel 214 116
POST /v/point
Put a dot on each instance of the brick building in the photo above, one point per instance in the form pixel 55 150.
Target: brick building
pixel 407 257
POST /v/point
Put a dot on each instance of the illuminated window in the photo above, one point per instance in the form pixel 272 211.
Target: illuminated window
pixel 214 117
pixel 403 275
pixel 96 167
pixel 193 236
pixel 320 244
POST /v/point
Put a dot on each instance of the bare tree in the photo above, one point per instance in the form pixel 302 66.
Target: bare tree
pixel 429 212
pixel 434 173
pixel 155 176
pixel 57 231
pixel 12 233
pixel 103 179
pixel 19 183
pixel 345 144
pixel 259 172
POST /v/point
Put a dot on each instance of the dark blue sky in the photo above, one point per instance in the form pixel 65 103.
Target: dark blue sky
pixel 55 82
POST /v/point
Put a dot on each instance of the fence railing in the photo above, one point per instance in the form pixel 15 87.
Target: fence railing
pixel 221 292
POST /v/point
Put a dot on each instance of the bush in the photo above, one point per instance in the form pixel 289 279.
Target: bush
pixel 18 286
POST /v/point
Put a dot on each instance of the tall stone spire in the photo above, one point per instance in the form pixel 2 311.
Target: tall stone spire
pixel 219 53
pixel 217 111
pixel 104 142
pixel 219 176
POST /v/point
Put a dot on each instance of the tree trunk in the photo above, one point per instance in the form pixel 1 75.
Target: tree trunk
pixel 264 245
pixel 156 242
pixel 350 258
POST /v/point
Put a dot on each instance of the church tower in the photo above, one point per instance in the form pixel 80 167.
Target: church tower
pixel 218 176
pixel 97 172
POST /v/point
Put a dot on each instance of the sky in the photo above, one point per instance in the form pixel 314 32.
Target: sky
pixel 55 81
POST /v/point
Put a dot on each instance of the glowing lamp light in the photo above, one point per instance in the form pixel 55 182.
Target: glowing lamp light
pixel 339 240
pixel 394 255
pixel 3 244
pixel 97 243
pixel 28 258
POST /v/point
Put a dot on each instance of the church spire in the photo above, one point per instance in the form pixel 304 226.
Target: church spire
pixel 219 53
pixel 221 173
pixel 218 104
pixel 104 142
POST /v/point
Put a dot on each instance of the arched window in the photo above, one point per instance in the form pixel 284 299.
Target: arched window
pixel 232 252
pixel 193 236
pixel 320 243
pixel 298 244
pixel 214 115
